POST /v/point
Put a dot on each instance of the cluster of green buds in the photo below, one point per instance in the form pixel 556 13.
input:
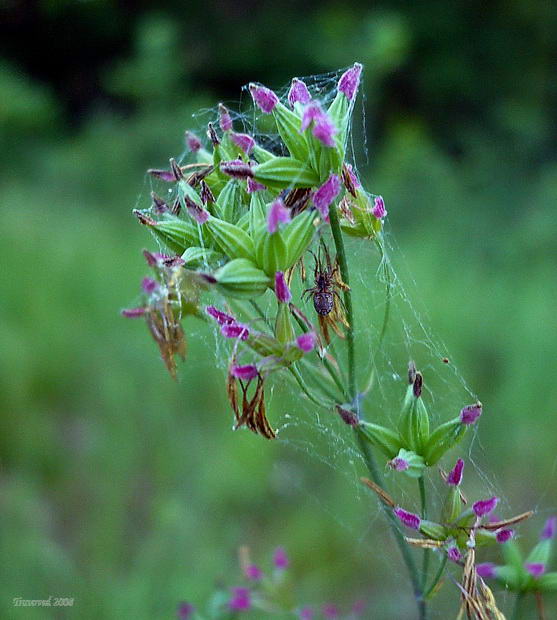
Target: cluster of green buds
pixel 412 445
pixel 239 222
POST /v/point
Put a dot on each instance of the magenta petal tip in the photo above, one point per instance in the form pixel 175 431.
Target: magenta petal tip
pixel 264 98
pixel 408 518
pixel 350 80
pixel 485 506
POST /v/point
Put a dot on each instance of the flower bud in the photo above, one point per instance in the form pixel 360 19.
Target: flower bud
pixel 549 528
pixel 281 288
pixel 220 317
pixel 409 519
pixel 206 195
pixel 235 330
pixel 298 236
pixel 383 438
pixel 414 422
pixel 271 253
pixel 282 172
pixel 454 477
pixel 306 342
pixel 348 417
pixel 469 414
pixel 325 195
pixel 323 127
pixel 240 278
pixel 236 168
pixel 280 559
pixel 277 213
pixel 243 141
pixel 487 570
pixel 231 239
pixel 535 569
pixel 379 210
pixel 504 535
pixel 408 462
pixel 254 186
pixel 264 98
pixel 240 600
pixel 246 373
pixel 350 80
pixel 225 121
pixel 298 93
pixel 454 554
pixel 175 233
pixel 484 507
pixel 198 213
pixel 193 142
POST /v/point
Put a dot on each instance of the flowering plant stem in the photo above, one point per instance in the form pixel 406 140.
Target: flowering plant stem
pixel 423 499
pixel 363 446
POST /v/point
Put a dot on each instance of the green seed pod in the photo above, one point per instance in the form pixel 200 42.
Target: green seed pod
pixel 229 204
pixel 298 236
pixel 442 439
pixel 433 530
pixel 231 239
pixel 288 125
pixel 452 506
pixel 257 215
pixel 262 155
pixel 176 234
pixel 271 254
pixel 282 172
pixel 196 257
pixel 240 278
pixel 383 438
pixel 414 423
pixel 265 345
pixel 339 111
pixel 283 325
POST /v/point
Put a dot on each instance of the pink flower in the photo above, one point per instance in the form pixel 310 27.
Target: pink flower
pixel 280 558
pixel 454 478
pixel 399 464
pixel 235 330
pixel 325 195
pixel 378 209
pixel 469 414
pixel 306 613
pixel 306 342
pixel 536 569
pixel 253 572
pixel 350 80
pixel 453 553
pixel 247 372
pixel 149 285
pixel 323 127
pixel 281 288
pixel 408 518
pixel 277 213
pixel 486 570
pixel 241 599
pixel 225 121
pixel 185 611
pixel 485 506
pixel 298 93
pixel 243 141
pixel 330 611
pixel 549 528
pixel 504 535
pixel 264 98
pixel 220 317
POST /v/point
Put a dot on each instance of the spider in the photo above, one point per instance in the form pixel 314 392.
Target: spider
pixel 327 280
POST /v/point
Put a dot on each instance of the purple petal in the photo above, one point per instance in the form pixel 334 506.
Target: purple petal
pixel 247 372
pixel 220 317
pixel 408 518
pixel 399 464
pixel 198 213
pixel 243 141
pixel 185 611
pixel 163 175
pixel 192 142
pixel 133 313
pixel 306 613
pixel 253 572
pixel 325 195
pixel 277 213
pixel 237 169
pixel 470 413
pixel 330 611
pixel 453 553
pixel 159 205
pixel 241 599
pixel 536 569
pixel 254 186
pixel 324 130
pixel 454 477
pixel 312 113
pixel 306 342
pixel 549 528
pixel 265 98
pixel 281 288
pixel 504 535
pixel 485 506
pixel 280 559
pixel 350 80
pixel 378 209
pixel 298 93
pixel 235 330
pixel 486 570
pixel 149 285
pixel 225 121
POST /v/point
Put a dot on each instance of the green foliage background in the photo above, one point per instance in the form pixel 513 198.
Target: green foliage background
pixel 129 492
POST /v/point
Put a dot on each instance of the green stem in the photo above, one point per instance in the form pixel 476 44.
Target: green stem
pixel 437 577
pixel 517 606
pixel 360 439
pixel 296 373
pixel 427 552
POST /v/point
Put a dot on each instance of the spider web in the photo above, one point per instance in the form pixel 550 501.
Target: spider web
pixel 391 328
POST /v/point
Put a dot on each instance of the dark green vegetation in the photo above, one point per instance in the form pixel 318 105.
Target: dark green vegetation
pixel 129 492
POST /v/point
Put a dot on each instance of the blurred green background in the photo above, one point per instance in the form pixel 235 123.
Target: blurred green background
pixel 127 491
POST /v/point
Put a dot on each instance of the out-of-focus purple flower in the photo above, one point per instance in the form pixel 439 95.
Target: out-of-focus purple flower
pixel 408 518
pixel 243 141
pixel 399 464
pixel 237 169
pixel 536 569
pixel 241 599
pixel 453 553
pixel 280 559
pixel 149 285
pixel 247 372
pixel 298 93
pixel 253 572
pixel 485 506
pixel 159 205
pixel 192 142
pixel 504 535
pixel 220 317
pixel 185 611
pixel 350 80
pixel 359 607
pixel 235 330
pixel 277 213
pixel 470 413
pixel 549 528
pixel 486 570
pixel 378 209
pixel 225 121
pixel 281 288
pixel 133 313
pixel 306 342
pixel 454 477
pixel 306 613
pixel 198 213
pixel 265 98
pixel 325 195
pixel 323 127
pixel 330 611
pixel 254 186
